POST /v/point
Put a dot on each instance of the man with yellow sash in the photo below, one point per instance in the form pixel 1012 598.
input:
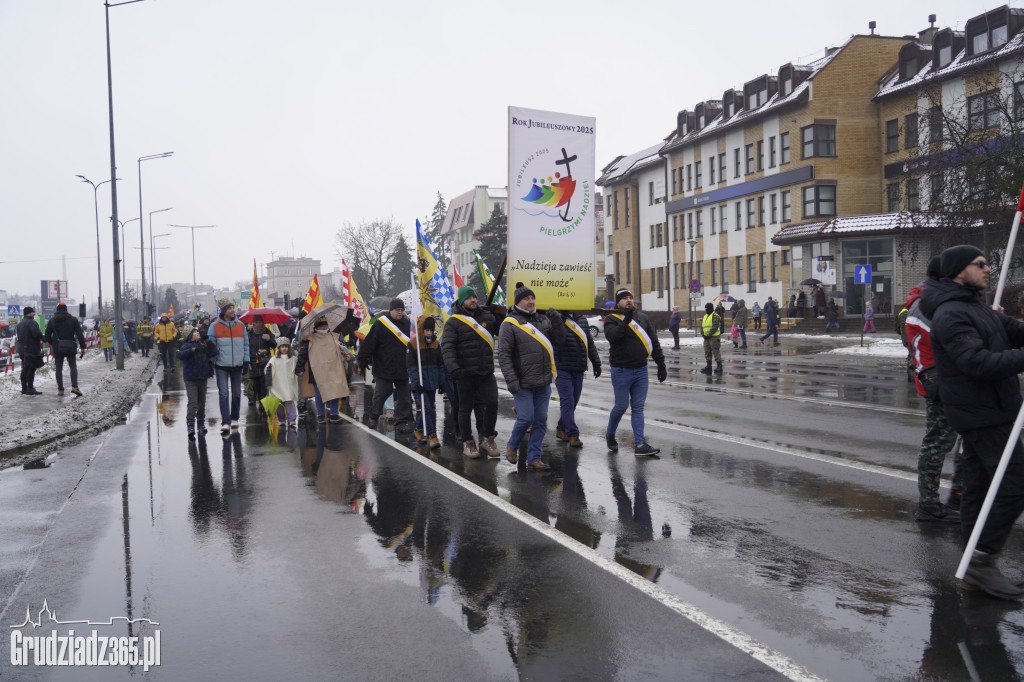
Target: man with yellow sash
pixel 467 346
pixel 631 340
pixel 711 331
pixel 145 333
pixel 527 359
pixel 384 349
pixel 571 362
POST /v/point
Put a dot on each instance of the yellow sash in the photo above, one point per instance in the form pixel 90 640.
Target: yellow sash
pixel 394 330
pixel 580 333
pixel 477 327
pixel 639 331
pixel 540 338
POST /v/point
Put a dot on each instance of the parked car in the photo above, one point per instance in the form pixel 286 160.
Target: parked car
pixel 595 325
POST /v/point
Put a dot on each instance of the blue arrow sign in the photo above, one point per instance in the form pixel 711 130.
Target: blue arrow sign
pixel 862 274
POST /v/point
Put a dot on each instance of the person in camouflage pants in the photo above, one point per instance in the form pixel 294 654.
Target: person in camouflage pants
pixel 938 440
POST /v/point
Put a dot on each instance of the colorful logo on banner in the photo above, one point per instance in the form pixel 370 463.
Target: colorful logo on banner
pixel 557 193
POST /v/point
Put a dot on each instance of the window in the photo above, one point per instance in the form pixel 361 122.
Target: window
pixel 739 269
pixel 629 267
pixel 675 228
pixel 908 62
pixel 700 222
pixel 661 282
pixel 892 136
pixel 986 32
pixel 674 191
pixel 935 128
pixel 713 214
pixel 714 272
pixel 819 140
pixel 722 218
pixel 760 155
pixel 739 216
pixel 762 261
pixel 783 149
pixel 689 177
pixel 711 170
pixel 937 186
pixel 750 213
pixel 625 198
pixel 913 194
pixel 750 158
pixel 725 275
pixel 771 152
pixel 700 271
pixel 892 197
pixel 697 174
pixel 760 210
pixel 689 226
pixel 945 55
pixel 786 209
pixel 774 202
pixel 775 266
pixel 721 167
pixel 650 193
pixel 910 131
pixel 618 270
pixel 736 162
pixel 983 110
pixel 819 200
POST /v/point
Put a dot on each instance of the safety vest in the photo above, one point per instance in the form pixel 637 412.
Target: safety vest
pixel 709 324
pixel 145 330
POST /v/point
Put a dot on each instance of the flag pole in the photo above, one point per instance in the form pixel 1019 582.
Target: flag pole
pixel 419 358
pixel 1018 424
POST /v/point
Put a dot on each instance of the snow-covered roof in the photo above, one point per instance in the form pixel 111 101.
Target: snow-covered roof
pixel 847 226
pixel 497 192
pixel 624 165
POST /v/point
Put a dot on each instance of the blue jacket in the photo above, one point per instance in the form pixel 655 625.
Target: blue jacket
pixel 232 342
pixel 195 359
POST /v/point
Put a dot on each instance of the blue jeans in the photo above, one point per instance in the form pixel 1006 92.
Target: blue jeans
pixel 229 378
pixel 630 386
pixel 570 386
pixel 743 335
pixel 830 323
pixel 531 410
pixel 772 330
pixel 428 397
pixel 332 405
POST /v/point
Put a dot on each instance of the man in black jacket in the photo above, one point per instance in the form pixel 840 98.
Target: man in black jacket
pixel 632 341
pixel 571 362
pixel 384 349
pixel 978 353
pixel 64 334
pixel 467 346
pixel 29 350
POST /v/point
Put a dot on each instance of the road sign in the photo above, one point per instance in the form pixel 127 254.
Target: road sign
pixel 14 311
pixel 694 286
pixel 862 274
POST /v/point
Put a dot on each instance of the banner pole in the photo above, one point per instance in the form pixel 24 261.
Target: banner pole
pixel 419 358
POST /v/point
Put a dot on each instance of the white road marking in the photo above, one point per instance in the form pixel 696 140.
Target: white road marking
pixel 759 651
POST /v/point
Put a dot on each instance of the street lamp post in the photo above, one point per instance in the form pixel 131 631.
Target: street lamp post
pixel 194 228
pixel 152 260
pixel 689 294
pixel 152 264
pixel 96 208
pixel 124 251
pixel 142 238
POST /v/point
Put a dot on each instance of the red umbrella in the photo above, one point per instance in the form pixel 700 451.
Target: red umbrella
pixel 269 315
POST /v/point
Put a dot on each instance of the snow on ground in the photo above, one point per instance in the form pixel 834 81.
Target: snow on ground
pixel 887 348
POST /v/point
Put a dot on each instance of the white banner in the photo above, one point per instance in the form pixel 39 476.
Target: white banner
pixel 551 228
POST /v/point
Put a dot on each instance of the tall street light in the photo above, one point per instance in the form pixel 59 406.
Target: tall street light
pixel 691 243
pixel 152 261
pixel 123 262
pixel 119 362
pixel 96 207
pixel 194 228
pixel 152 264
pixel 142 238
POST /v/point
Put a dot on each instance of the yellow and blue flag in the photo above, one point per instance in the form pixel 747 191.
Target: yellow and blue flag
pixel 436 291
pixel 488 279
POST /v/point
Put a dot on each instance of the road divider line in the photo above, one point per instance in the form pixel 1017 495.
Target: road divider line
pixel 758 650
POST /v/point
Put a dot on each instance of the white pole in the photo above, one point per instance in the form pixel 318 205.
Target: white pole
pixel 1004 461
pixel 419 358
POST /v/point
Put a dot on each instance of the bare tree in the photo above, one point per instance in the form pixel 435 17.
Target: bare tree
pixel 369 250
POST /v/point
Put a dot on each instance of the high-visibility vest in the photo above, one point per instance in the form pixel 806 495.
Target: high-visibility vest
pixel 709 323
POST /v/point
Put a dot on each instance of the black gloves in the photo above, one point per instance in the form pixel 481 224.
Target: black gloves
pixel 298 371
pixel 417 390
pixel 627 315
pixel 662 372
pixel 554 316
pixel 597 371
pixel 245 368
pixel 513 387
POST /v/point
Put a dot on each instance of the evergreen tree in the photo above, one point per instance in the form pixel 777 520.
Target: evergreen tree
pixel 402 265
pixel 171 298
pixel 432 228
pixel 493 237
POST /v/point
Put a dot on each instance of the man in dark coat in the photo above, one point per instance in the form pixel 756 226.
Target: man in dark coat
pixel 571 362
pixel 64 334
pixel 978 353
pixel 384 349
pixel 29 350
pixel 261 347
pixel 467 346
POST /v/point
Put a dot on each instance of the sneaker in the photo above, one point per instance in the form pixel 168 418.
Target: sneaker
pixel 490 448
pixel 293 424
pixel 511 455
pixel 645 450
pixel 60 393
pixel 613 444
pixel 469 450
pixel 983 574
pixel 435 444
pixel 225 429
pixel 937 512
pixel 574 441
pixel 560 435
pixel 74 389
pixel 321 419
pixel 234 426
pixel 335 419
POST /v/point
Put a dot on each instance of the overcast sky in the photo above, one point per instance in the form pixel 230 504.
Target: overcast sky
pixel 288 119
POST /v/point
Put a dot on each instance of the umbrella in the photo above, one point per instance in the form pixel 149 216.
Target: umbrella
pixel 269 315
pixel 724 298
pixel 334 312
pixel 810 281
pixel 270 404
pixel 378 304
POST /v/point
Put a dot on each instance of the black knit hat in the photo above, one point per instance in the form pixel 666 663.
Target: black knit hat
pixel 62 306
pixel 935 268
pixel 622 293
pixel 397 304
pixel 522 291
pixel 956 258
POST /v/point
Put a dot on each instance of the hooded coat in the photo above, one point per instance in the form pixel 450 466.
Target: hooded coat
pixel 739 317
pixel 326 360
pixel 106 335
pixel 429 356
pixel 195 359
pixel 64 327
pixel 29 338
pixel 466 353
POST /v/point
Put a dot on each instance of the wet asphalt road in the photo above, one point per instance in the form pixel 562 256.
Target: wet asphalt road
pixel 781 506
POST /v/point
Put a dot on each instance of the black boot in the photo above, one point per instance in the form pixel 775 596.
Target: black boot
pixel 983 574
pixel 718 369
pixel 706 370
pixel 613 444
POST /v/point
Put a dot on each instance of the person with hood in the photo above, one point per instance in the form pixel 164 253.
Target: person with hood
pixel 833 315
pixel 467 346
pixel 106 332
pixel 632 341
pixel 283 382
pixel 771 321
pixel 322 352
pixel 711 332
pixel 739 321
pixel 755 312
pixel 526 357
pixel 571 357
pixel 232 360
pixel 674 321
pixel 939 438
pixel 29 344
pixel 261 345
pixel 384 350
pixel 64 334
pixel 145 334
pixel 819 301
pixel 425 367
pixel 166 333
pixel 978 354
pixel 195 356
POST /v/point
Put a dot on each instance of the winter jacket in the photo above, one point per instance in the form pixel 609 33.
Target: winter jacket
pixel 166 331
pixel 145 330
pixel 195 359
pixel 756 310
pixel 771 314
pixel 466 353
pixel 739 316
pixel 382 350
pixel 232 342
pixel 917 332
pixel 260 351
pixel 674 319
pixel 106 335
pixel 64 327
pixel 625 347
pixel 833 312
pixel 978 353
pixel 29 338
pixel 711 325
pixel 869 311
pixel 429 356
pixel 572 353
pixel 525 361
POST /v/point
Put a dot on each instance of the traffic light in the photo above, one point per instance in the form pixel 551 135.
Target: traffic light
pixel 81 310
pixel 150 309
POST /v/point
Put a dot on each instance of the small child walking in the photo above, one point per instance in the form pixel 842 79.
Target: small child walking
pixel 196 369
pixel 283 382
pixel 429 362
